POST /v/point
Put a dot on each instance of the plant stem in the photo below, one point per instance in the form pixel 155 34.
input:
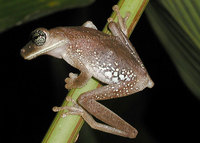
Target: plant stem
pixel 65 130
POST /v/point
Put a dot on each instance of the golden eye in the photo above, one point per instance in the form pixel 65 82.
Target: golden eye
pixel 38 37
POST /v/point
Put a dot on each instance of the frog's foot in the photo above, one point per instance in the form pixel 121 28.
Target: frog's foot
pixel 70 81
pixel 77 81
pixel 121 21
pixel 71 110
pixel 69 99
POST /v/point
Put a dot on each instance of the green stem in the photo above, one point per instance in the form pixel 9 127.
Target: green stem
pixel 65 130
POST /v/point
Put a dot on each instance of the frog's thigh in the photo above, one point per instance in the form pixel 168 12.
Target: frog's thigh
pixel 89 24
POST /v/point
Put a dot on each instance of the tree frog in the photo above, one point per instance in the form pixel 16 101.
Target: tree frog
pixel 109 58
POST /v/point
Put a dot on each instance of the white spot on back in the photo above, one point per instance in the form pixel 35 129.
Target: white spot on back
pixel 115 79
pixel 115 73
pixel 108 74
pixel 121 77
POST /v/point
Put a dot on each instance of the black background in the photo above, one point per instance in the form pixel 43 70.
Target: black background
pixel 167 112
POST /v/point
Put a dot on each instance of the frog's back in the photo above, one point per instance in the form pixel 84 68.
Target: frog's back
pixel 105 56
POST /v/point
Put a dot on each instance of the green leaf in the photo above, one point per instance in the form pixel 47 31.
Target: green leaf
pixel 16 12
pixel 177 25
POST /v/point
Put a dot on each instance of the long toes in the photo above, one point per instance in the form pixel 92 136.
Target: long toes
pixel 127 16
pixel 67 80
pixel 115 8
pixel 110 19
pixel 68 86
pixel 69 99
pixel 56 109
pixel 64 115
pixel 69 83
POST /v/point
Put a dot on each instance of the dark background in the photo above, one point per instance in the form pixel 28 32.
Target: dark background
pixel 168 112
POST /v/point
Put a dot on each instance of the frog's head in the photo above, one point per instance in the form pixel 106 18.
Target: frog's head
pixel 42 41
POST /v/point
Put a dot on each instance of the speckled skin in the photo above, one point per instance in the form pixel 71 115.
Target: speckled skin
pixel 109 58
pixel 101 54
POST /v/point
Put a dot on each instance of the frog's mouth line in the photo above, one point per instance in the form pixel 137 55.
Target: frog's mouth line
pixel 45 50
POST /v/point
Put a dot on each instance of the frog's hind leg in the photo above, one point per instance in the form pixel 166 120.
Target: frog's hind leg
pixel 88 105
pixel 89 102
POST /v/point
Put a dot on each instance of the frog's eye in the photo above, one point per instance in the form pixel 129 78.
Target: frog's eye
pixel 38 37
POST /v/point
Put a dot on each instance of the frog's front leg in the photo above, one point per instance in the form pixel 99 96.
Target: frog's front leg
pixel 78 81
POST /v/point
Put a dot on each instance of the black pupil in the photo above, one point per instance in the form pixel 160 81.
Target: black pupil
pixel 38 37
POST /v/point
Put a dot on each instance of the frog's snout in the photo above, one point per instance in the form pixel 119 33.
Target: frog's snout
pixel 28 51
pixel 22 53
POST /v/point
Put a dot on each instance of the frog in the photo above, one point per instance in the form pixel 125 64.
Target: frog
pixel 111 59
